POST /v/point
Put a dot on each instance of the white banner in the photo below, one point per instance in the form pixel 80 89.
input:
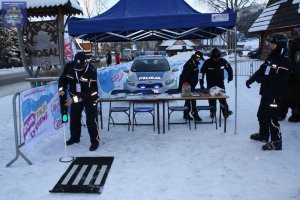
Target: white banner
pixel 41 115
pixel 220 17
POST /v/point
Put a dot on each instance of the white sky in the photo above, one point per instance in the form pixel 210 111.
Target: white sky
pixel 192 3
pixel 110 3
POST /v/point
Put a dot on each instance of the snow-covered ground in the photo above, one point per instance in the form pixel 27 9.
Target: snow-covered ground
pixel 202 164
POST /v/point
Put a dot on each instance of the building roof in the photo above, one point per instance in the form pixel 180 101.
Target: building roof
pixel 278 14
pixel 168 43
pixel 42 8
pixel 179 47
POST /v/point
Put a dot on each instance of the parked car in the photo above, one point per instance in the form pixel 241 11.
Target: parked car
pixel 254 54
pixel 150 72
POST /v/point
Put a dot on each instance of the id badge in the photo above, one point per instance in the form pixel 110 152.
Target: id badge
pixel 267 70
pixel 200 76
pixel 78 87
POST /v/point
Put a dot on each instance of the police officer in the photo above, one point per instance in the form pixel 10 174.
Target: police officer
pixel 80 80
pixel 190 74
pixel 272 75
pixel 291 96
pixel 214 68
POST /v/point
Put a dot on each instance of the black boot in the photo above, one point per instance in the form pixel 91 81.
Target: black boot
pixel 259 137
pixel 226 112
pixel 72 141
pixel 275 145
pixel 187 116
pixel 94 146
pixel 197 117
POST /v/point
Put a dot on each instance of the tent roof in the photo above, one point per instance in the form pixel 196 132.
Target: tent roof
pixel 132 20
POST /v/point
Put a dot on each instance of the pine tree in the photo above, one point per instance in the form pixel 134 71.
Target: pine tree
pixel 9 51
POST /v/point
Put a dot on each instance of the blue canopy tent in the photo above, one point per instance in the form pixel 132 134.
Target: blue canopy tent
pixel 142 20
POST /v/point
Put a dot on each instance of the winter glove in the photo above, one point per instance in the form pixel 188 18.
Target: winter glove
pixel 229 79
pixel 202 84
pixel 249 82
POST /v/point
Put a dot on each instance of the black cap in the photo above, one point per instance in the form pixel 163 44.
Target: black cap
pixel 199 54
pixel 215 53
pixel 79 61
pixel 277 38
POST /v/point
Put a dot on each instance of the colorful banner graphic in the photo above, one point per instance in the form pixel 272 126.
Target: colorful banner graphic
pixel 14 14
pixel 70 48
pixel 40 113
pixel 111 78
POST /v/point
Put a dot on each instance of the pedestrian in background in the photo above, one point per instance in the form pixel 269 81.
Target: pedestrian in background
pixel 80 80
pixel 108 59
pixel 214 68
pixel 117 56
pixel 272 76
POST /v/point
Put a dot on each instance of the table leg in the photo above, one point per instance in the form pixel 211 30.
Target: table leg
pixel 158 125
pixel 220 116
pixel 100 112
pixel 225 120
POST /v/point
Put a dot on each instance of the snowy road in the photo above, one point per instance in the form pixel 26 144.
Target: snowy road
pixel 13 88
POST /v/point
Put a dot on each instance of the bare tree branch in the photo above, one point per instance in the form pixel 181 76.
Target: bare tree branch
pixel 100 6
pixel 88 8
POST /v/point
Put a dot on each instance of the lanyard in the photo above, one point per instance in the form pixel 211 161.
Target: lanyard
pixel 82 74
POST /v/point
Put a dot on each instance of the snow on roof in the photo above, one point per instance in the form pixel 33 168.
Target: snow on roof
pixel 189 42
pixel 280 14
pixel 179 47
pixel 167 43
pixel 38 8
pixel 48 3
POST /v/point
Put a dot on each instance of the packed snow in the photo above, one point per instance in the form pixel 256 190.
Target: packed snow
pixel 201 164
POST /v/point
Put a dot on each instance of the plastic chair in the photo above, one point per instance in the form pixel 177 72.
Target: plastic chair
pixel 172 108
pixel 143 109
pixel 119 109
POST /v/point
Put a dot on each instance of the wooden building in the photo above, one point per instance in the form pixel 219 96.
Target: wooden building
pixel 279 16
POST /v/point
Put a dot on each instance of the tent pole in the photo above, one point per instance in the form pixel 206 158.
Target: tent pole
pixel 235 71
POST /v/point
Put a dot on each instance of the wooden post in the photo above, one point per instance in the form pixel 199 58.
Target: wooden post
pixel 22 50
pixel 61 31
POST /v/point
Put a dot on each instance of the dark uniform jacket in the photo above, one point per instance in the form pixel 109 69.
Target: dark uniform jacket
pixel 87 78
pixel 291 93
pixel 273 75
pixel 214 71
pixel 189 74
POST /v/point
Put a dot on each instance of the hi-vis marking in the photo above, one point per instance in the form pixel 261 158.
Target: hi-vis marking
pixel 149 78
pixel 87 179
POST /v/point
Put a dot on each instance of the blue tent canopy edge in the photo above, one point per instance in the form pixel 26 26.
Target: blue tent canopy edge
pixel 151 20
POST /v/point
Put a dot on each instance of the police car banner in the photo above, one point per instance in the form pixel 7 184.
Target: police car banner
pixel 40 113
pixel 114 77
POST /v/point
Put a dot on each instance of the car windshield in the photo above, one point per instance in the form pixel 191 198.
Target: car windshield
pixel 150 65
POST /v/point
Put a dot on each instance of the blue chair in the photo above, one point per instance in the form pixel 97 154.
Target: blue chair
pixel 172 108
pixel 211 109
pixel 143 108
pixel 119 109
